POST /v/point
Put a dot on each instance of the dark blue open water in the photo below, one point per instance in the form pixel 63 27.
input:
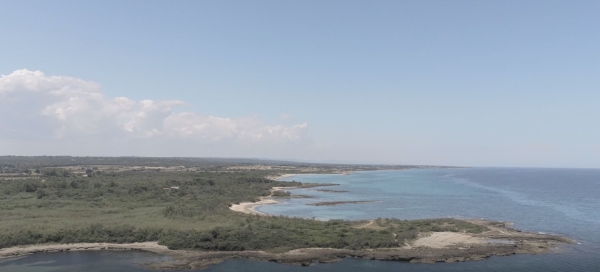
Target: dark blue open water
pixel 560 201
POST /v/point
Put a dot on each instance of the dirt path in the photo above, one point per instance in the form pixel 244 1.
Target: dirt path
pixel 371 222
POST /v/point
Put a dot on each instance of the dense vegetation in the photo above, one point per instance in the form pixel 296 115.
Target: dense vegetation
pixel 179 209
pixel 15 163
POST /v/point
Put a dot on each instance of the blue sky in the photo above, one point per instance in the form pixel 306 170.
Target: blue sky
pixel 482 83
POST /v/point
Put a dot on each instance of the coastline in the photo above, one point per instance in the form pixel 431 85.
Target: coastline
pixel 250 207
pixel 278 177
pixel 428 247
pixel 500 240
pixel 20 251
pixel 431 247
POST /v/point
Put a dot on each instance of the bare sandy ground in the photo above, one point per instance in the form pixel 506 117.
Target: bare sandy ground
pixel 283 176
pixel 26 250
pixel 445 239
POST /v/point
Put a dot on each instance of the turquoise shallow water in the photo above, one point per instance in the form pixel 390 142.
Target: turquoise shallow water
pixel 560 201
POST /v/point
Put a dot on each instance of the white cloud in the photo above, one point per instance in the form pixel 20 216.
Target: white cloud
pixel 284 116
pixel 58 109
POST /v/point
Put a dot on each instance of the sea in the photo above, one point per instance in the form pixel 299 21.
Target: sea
pixel 556 201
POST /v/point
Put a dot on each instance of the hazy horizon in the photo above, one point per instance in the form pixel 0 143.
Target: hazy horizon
pixel 292 160
pixel 470 83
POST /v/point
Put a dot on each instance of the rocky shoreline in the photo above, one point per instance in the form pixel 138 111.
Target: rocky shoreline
pixel 513 242
pixel 21 251
pixel 499 240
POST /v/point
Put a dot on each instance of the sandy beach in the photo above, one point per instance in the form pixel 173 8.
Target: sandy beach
pixel 250 207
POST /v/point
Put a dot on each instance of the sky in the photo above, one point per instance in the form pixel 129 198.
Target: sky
pixel 466 83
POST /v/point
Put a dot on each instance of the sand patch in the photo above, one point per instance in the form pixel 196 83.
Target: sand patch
pixel 444 239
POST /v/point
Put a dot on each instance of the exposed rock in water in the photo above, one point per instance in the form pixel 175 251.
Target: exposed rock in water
pixel 331 191
pixel 333 203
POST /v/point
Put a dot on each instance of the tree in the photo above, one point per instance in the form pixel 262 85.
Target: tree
pixel 41 193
